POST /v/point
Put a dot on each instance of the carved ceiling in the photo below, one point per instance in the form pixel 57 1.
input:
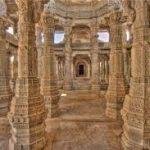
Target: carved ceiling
pixel 76 9
pixel 12 9
pixel 80 1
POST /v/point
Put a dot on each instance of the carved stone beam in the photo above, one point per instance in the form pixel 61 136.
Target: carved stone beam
pixel 39 5
pixel 129 11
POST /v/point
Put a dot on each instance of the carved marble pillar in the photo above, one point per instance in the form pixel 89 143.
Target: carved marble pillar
pixel 27 114
pixel 5 92
pixel 57 67
pixel 8 57
pixel 39 46
pixel 68 58
pixel 14 70
pixel 136 109
pixel 95 79
pixel 116 89
pixel 49 79
pixel 125 57
pixel 103 70
pixel 15 27
pixel 106 71
pixel 15 66
pixel 60 71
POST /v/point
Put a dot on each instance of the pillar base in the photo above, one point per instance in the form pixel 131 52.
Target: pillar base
pixel 115 97
pixel 135 129
pixel 95 87
pixel 4 143
pixel 39 145
pixel 4 133
pixel 114 106
pixel 130 145
pixel 67 87
pixel 28 138
pixel 53 111
pixel 27 116
pixel 52 105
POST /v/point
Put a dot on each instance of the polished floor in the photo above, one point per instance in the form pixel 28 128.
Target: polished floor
pixel 83 125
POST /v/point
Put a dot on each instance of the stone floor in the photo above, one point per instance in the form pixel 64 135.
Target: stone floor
pixel 83 126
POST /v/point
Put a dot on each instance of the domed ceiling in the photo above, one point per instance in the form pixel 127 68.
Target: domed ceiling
pixel 79 1
pixel 78 9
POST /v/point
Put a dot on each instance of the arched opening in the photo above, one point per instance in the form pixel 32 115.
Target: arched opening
pixel 59 34
pixel 128 35
pixel 59 37
pixel 10 30
pixel 103 36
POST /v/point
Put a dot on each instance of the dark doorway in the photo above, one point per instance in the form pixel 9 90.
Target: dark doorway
pixel 81 70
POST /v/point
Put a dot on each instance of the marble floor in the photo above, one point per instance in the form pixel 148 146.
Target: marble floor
pixel 83 126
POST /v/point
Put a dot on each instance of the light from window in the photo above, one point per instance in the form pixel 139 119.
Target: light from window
pixel 42 37
pixel 63 94
pixel 10 30
pixel 127 35
pixel 103 36
pixel 12 59
pixel 58 37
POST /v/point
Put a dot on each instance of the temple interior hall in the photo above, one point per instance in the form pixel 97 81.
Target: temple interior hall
pixel 74 74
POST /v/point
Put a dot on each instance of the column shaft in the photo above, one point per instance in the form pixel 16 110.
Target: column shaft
pixel 106 71
pixel 95 81
pixel 136 109
pixel 49 79
pixel 27 114
pixel 14 70
pixel 5 93
pixel 39 46
pixel 68 59
pixel 116 89
pixel 126 58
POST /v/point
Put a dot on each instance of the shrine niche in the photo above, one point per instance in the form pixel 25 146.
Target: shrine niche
pixel 81 69
pixel 80 34
pixel 82 66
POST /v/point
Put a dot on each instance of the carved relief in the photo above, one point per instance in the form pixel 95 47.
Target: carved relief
pixel 27 113
pixel 5 91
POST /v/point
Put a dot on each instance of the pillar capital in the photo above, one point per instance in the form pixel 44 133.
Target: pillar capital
pixel 48 20
pixel 68 23
pixel 2 22
pixel 3 26
pixel 116 18
pixel 68 30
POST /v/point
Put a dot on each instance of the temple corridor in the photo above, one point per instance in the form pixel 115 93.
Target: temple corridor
pixel 74 74
pixel 83 124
